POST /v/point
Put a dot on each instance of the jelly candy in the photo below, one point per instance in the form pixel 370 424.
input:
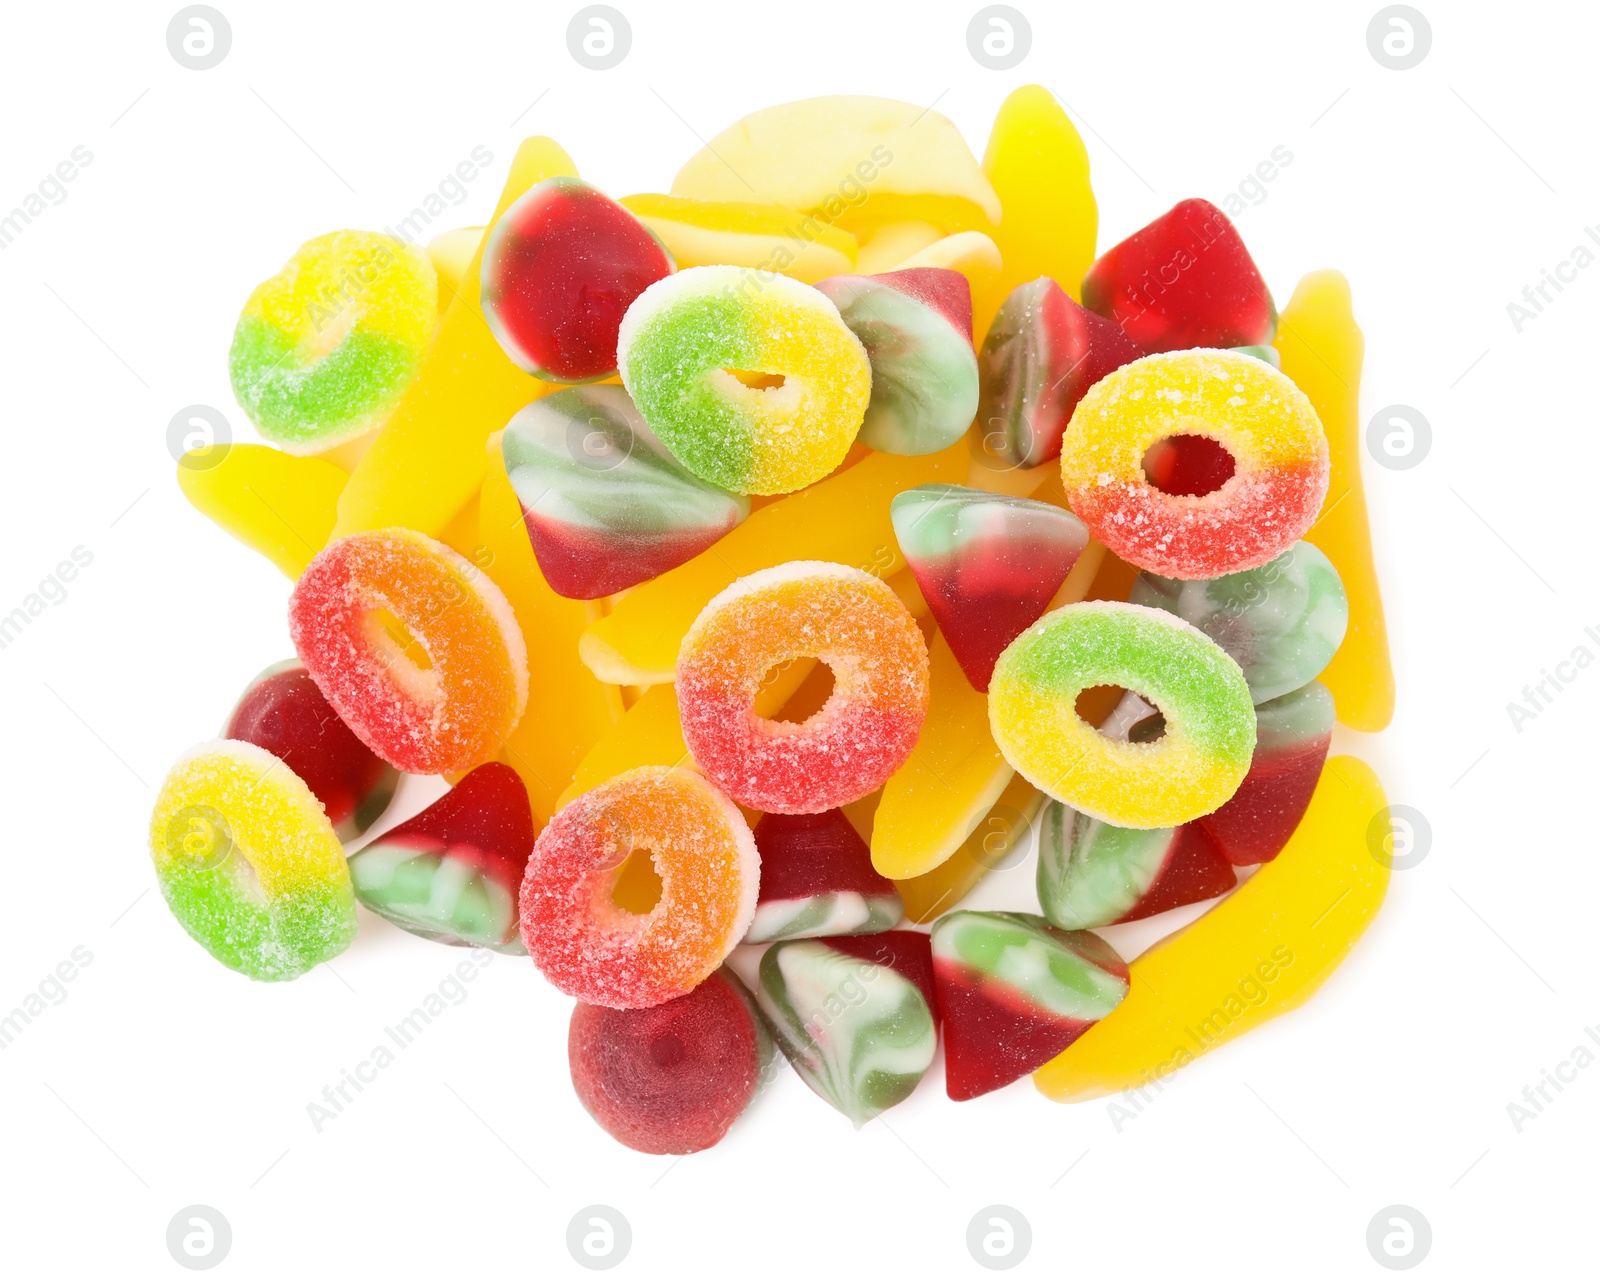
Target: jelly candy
pixel 281 506
pixel 595 947
pixel 856 1015
pixel 325 348
pixel 737 233
pixel 1039 168
pixel 817 611
pixel 1321 348
pixel 843 519
pixel 988 565
pixel 817 880
pixel 968 253
pixel 1263 951
pixel 568 708
pixel 848 161
pixel 1184 280
pixel 1040 357
pixel 447 702
pixel 916 327
pixel 1256 413
pixel 286 714
pixel 887 245
pixel 1282 621
pixel 1014 992
pixel 671 1078
pixel 428 459
pixel 751 379
pixel 1210 724
pixel 1188 465
pixel 560 268
pixel 1093 875
pixel 998 835
pixel 248 863
pixel 452 872
pixel 452 254
pixel 607 506
pixel 1292 738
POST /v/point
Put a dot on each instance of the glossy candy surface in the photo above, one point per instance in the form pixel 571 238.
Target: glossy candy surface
pixel 988 565
pixel 856 1015
pixel 448 704
pixel 280 505
pixel 1040 357
pixel 1184 280
pixel 817 879
pixel 324 349
pixel 823 611
pixel 452 872
pixel 591 946
pixel 1210 724
pixel 249 864
pixel 285 713
pixel 916 327
pixel 751 379
pixel 1015 991
pixel 670 1078
pixel 771 237
pixel 560 268
pixel 606 505
pixel 1293 734
pixel 1282 621
pixel 1255 412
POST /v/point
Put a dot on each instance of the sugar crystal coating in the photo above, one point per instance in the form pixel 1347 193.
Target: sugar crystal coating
pixel 248 862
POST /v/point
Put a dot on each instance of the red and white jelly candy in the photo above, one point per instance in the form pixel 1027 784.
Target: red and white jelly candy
pixel 1042 354
pixel 560 268
pixel 670 1078
pixel 452 872
pixel 285 713
pixel 1184 280
pixel 1292 738
pixel 1014 992
pixel 817 879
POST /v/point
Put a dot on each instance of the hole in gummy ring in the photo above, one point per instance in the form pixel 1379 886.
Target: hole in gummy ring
pixel 636 888
pixel 756 380
pixel 403 639
pixel 1096 704
pixel 809 697
pixel 1187 465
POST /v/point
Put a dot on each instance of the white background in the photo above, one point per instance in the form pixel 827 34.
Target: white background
pixel 164 1080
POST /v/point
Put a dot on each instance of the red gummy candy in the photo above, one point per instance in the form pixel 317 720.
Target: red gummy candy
pixel 560 268
pixel 1188 465
pixel 670 1078
pixel 946 291
pixel 286 714
pixel 484 823
pixel 908 953
pixel 813 854
pixel 1185 280
pixel 1196 869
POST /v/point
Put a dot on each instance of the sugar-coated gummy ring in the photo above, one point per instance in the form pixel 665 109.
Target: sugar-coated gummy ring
pixel 448 712
pixel 1262 418
pixel 325 348
pixel 1210 723
pixel 589 946
pixel 686 336
pixel 248 862
pixel 840 615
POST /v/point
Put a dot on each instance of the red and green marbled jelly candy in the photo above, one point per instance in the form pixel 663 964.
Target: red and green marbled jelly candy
pixel 817 879
pixel 560 268
pixel 1185 280
pixel 1015 992
pixel 452 872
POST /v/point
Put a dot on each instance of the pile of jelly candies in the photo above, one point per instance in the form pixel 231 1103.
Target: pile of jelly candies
pixel 761 562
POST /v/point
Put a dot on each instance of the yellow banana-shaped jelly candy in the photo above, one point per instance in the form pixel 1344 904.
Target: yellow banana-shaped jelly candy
pixel 278 505
pixel 733 233
pixel 1263 951
pixel 941 889
pixel 428 459
pixel 842 519
pixel 1321 350
pixel 971 252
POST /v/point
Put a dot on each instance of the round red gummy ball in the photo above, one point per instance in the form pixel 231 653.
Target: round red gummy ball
pixel 670 1078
